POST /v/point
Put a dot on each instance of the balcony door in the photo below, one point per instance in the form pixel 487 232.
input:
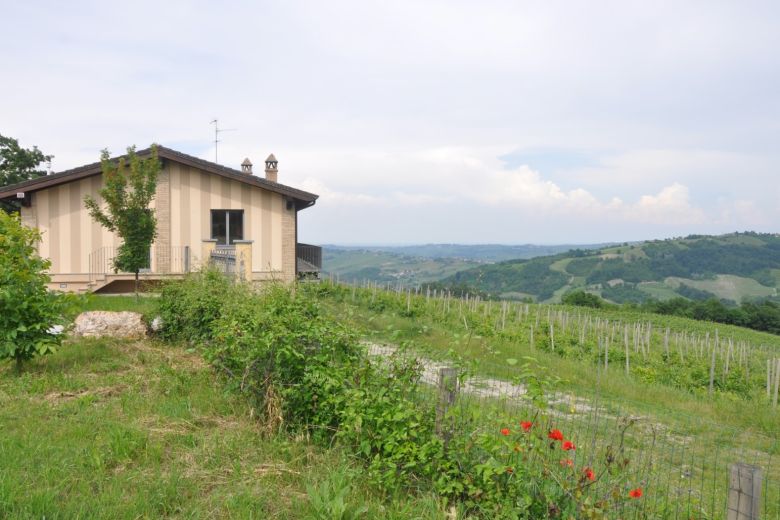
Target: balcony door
pixel 227 226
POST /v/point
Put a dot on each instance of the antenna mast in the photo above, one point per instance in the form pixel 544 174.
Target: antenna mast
pixel 217 131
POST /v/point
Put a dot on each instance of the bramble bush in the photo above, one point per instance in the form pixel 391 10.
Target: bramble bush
pixel 307 374
pixel 189 308
pixel 28 311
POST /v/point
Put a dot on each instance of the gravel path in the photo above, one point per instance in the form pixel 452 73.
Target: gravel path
pixel 480 386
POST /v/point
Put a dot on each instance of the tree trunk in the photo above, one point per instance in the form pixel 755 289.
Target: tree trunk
pixel 136 286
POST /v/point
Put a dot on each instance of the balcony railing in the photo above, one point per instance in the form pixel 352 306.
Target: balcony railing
pixel 162 260
pixel 309 259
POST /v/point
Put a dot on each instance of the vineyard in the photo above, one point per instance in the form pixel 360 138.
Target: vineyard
pixel 698 396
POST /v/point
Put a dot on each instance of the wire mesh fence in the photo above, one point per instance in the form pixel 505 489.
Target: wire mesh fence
pixel 682 476
pixel 683 463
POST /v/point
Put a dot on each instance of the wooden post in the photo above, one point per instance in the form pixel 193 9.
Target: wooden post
pixel 448 386
pixel 777 382
pixel 744 502
pixel 552 337
pixel 712 372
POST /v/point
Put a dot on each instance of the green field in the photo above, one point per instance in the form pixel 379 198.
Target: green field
pixel 725 286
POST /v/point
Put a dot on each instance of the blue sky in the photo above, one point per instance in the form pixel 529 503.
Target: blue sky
pixel 471 122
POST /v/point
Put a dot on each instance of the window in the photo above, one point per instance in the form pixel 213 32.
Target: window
pixel 227 226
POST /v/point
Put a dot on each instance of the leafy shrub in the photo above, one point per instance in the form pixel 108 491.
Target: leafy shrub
pixel 292 361
pixel 190 307
pixel 28 310
pixel 308 374
pixel 384 422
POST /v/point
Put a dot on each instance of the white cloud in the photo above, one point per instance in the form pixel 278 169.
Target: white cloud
pixel 676 105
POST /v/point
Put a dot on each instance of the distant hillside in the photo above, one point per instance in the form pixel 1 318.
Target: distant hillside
pixel 355 265
pixel 728 267
pixel 478 253
pixel 414 265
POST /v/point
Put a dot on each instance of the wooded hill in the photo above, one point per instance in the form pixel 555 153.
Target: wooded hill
pixel 731 268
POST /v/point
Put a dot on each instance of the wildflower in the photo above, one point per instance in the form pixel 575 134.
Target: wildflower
pixel 589 474
pixel 635 493
pixel 567 462
pixel 510 470
pixel 555 435
pixel 568 445
pixel 504 431
pixel 526 425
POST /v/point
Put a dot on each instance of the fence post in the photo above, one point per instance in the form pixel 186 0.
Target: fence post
pixel 744 502
pixel 448 390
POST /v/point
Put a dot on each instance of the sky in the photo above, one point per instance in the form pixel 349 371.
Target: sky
pixel 427 122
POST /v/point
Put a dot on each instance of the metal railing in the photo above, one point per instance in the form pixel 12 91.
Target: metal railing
pixel 309 258
pixel 224 259
pixel 162 260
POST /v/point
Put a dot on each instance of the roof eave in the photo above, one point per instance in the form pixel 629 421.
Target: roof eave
pixel 164 153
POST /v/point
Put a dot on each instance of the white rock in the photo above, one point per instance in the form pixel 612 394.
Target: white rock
pixel 55 330
pixel 157 324
pixel 98 324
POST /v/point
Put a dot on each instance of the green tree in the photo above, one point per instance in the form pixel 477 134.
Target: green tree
pixel 18 164
pixel 28 311
pixel 583 299
pixel 129 186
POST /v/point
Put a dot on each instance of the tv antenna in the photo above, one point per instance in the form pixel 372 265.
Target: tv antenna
pixel 217 131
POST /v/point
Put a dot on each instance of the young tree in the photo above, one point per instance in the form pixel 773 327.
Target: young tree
pixel 129 189
pixel 28 311
pixel 18 164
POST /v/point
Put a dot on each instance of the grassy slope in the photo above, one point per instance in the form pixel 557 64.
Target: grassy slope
pixel 697 435
pixel 136 429
pixel 675 406
pixel 508 278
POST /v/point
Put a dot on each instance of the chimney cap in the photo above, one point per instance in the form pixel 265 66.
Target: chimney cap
pixel 271 163
pixel 246 166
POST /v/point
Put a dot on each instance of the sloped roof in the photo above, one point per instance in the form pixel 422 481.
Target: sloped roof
pixel 39 183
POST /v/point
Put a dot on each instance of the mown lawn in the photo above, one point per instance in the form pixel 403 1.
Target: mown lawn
pixel 139 429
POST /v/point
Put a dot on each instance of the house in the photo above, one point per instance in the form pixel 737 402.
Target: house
pixel 244 223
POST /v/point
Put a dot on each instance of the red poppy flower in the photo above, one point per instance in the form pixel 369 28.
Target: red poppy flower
pixel 555 435
pixel 510 470
pixel 504 431
pixel 568 445
pixel 526 425
pixel 589 474
pixel 635 493
pixel 567 462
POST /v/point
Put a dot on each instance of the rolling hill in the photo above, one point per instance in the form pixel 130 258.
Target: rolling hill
pixel 357 265
pixel 418 264
pixel 472 252
pixel 731 267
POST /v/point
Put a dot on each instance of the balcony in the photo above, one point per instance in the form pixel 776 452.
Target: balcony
pixel 309 260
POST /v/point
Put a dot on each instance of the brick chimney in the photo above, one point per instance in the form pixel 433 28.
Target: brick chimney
pixel 246 166
pixel 271 169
